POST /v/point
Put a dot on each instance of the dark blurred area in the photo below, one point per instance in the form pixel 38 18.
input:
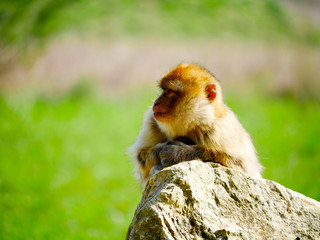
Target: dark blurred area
pixel 76 77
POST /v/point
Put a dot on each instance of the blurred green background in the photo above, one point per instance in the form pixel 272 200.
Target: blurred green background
pixel 77 76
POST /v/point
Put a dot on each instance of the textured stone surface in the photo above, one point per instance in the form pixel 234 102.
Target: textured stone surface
pixel 196 200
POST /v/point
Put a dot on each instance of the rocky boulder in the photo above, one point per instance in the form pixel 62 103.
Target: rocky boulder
pixel 197 200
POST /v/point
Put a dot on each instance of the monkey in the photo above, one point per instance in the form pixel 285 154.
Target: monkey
pixel 190 121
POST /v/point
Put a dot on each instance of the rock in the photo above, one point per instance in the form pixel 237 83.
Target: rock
pixel 197 200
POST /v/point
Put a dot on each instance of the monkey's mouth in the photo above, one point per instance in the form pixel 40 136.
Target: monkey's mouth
pixel 159 115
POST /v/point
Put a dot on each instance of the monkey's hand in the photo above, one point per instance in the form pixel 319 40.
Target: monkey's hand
pixel 148 157
pixel 173 152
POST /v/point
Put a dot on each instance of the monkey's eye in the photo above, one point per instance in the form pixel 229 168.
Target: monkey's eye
pixel 170 92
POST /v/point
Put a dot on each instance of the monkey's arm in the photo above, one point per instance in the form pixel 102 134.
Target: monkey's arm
pixel 173 152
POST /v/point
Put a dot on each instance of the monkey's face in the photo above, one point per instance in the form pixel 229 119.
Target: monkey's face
pixel 170 112
pixel 179 106
pixel 178 112
pixel 164 107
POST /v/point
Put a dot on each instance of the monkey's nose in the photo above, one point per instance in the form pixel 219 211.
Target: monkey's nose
pixel 158 108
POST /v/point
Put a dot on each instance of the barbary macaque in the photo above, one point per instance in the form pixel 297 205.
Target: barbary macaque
pixel 190 121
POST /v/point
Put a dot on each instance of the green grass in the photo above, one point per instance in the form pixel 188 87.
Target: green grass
pixel 22 23
pixel 64 173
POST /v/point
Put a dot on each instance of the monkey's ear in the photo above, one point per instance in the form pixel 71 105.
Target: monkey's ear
pixel 211 91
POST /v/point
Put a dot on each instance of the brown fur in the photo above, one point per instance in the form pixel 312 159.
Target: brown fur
pixel 192 125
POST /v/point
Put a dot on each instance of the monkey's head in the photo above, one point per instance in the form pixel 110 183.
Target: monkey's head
pixel 190 97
